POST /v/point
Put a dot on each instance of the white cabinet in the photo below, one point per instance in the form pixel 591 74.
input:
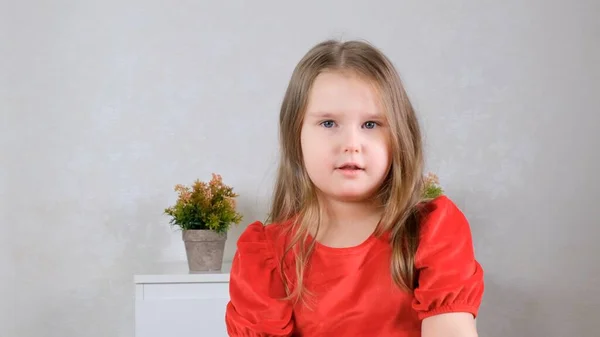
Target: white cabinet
pixel 178 303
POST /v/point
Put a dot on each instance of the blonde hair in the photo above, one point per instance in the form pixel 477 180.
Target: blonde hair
pixel 294 195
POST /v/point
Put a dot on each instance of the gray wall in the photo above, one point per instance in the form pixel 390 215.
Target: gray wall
pixel 108 104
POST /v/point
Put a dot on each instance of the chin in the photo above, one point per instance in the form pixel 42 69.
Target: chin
pixel 353 198
pixel 350 196
pixel 347 192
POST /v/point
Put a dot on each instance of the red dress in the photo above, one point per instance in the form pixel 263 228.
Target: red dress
pixel 355 293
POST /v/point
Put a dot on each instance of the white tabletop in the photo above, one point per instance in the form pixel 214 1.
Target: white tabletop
pixel 178 272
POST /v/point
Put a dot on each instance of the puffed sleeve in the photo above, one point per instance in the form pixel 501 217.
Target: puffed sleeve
pixel 449 277
pixel 255 308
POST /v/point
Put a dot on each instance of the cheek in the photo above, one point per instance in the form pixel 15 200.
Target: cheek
pixel 317 159
pixel 312 143
pixel 315 154
pixel 308 149
pixel 384 156
pixel 384 151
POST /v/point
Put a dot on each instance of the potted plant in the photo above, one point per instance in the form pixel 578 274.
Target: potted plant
pixel 204 212
pixel 431 188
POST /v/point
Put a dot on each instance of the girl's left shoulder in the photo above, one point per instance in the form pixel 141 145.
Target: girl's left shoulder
pixel 449 276
pixel 442 216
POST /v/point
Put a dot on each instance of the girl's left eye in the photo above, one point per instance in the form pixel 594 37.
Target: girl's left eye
pixel 370 125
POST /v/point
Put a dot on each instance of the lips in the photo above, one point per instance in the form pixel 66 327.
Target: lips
pixel 350 166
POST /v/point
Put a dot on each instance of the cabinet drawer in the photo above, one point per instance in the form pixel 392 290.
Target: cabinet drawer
pixel 181 317
pixel 185 291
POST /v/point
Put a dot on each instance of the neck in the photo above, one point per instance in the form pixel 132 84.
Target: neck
pixel 344 214
pixel 347 224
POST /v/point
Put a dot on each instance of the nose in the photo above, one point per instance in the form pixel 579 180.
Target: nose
pixel 351 142
pixel 351 149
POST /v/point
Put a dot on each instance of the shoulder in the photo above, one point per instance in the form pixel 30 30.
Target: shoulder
pixel 263 241
pixel 261 233
pixel 444 228
pixel 441 216
pixel 439 206
pixel 450 278
pixel 256 286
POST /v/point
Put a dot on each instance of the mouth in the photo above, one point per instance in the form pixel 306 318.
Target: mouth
pixel 350 167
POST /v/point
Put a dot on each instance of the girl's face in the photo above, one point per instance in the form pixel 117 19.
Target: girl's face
pixel 345 138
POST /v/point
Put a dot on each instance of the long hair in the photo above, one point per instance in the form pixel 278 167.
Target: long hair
pixel 294 195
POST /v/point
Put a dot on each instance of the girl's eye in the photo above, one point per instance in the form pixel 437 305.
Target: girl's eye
pixel 328 124
pixel 370 125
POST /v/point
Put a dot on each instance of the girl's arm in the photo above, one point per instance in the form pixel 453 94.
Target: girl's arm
pixel 456 324
pixel 255 308
pixel 451 281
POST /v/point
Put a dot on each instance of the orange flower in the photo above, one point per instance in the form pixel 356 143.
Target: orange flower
pixel 431 178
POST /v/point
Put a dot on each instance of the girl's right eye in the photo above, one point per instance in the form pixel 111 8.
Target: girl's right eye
pixel 328 124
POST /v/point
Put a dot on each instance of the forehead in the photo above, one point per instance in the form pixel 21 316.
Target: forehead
pixel 335 93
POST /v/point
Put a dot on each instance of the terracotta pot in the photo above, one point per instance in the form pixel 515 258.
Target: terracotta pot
pixel 204 249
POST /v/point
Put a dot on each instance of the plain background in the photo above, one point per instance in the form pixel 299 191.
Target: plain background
pixel 106 105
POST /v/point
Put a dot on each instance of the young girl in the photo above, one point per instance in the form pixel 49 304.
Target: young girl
pixel 352 248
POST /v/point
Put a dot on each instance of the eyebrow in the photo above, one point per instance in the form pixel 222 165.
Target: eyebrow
pixel 332 115
pixel 321 114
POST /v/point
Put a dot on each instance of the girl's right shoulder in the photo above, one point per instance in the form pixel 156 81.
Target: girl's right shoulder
pixel 266 244
pixel 273 234
pixel 256 285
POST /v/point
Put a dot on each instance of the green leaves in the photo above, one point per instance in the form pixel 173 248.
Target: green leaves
pixel 205 206
pixel 431 188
